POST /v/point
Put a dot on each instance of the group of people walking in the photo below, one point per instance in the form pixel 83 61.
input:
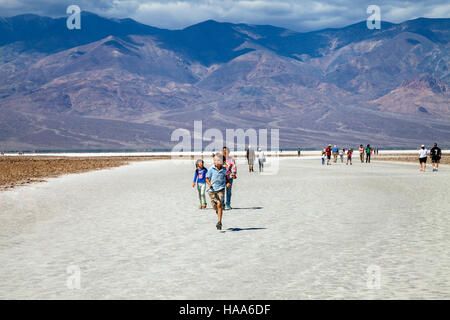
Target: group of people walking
pixel 329 153
pixel 217 181
pixel 367 152
pixel 251 156
pixel 435 155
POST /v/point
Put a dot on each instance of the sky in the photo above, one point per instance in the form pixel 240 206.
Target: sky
pixel 299 15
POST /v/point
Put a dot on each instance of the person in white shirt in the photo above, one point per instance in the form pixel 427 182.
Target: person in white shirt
pixel 261 159
pixel 423 154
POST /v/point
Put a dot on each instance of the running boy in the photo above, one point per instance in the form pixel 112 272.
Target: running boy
pixel 200 179
pixel 217 180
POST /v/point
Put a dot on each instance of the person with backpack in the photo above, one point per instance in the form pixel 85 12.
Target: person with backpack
pixel 335 151
pixel 435 154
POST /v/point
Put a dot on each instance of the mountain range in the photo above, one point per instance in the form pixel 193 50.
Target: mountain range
pixel 117 84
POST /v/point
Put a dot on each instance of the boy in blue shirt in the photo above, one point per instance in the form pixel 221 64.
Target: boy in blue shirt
pixel 217 180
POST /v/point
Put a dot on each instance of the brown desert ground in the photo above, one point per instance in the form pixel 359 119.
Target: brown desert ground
pixel 409 157
pixel 21 170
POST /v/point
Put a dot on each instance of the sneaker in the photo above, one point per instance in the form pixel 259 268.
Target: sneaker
pixel 200 207
pixel 228 207
pixel 219 225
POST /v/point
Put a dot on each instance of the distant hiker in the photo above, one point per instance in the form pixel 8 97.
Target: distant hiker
pixel 435 154
pixel 349 156
pixel 324 154
pixel 328 152
pixel 341 154
pixel 250 158
pixel 200 179
pixel 217 180
pixel 335 153
pixel 423 154
pixel 368 153
pixel 230 165
pixel 261 159
pixel 361 153
pixel 298 152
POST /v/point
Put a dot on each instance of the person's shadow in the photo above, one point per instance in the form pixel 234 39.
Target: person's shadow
pixel 244 229
pixel 249 208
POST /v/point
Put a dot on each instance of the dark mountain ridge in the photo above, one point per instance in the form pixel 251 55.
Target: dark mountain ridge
pixel 342 84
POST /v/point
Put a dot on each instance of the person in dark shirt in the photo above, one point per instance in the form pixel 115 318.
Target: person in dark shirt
pixel 328 152
pixel 435 154
pixel 368 153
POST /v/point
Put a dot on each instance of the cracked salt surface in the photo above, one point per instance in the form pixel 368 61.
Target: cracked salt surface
pixel 308 232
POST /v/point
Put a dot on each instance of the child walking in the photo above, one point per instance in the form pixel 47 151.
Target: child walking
pixel 200 179
pixel 349 156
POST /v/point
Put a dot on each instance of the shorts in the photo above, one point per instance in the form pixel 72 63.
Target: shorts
pixel 435 159
pixel 328 156
pixel 216 197
pixel 423 160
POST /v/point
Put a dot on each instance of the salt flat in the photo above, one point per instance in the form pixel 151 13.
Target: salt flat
pixel 308 232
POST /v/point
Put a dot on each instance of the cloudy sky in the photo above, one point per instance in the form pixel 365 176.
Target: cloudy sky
pixel 300 15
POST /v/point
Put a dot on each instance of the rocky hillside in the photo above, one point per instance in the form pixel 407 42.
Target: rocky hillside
pixel 120 84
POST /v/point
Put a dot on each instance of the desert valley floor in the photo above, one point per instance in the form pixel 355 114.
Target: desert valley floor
pixel 308 231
